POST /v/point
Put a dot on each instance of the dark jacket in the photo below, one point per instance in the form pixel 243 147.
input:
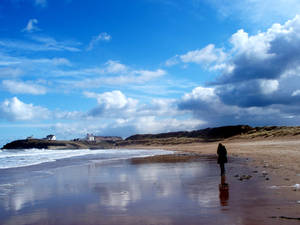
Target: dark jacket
pixel 222 154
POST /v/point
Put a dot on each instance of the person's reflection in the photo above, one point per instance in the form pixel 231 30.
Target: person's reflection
pixel 224 191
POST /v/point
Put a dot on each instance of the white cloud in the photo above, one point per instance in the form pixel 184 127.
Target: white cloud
pixel 296 93
pixel 19 87
pixel 41 43
pixel 113 100
pixel 146 75
pixel 53 61
pixel 256 45
pixel 74 115
pixel 100 37
pixel 130 77
pixel 269 86
pixel 31 26
pixel 207 105
pixel 172 61
pixel 115 67
pixel 138 117
pixel 78 128
pixel 205 94
pixel 264 67
pixel 162 107
pixel 204 56
pixel 126 127
pixel 51 44
pixel 14 109
pixel 209 57
pixel 151 124
pixel 10 72
pixel 112 103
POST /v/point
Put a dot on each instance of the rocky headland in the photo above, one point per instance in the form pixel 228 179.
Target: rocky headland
pixel 57 144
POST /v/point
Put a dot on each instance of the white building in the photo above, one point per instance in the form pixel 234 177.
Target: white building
pixel 90 137
pixel 51 137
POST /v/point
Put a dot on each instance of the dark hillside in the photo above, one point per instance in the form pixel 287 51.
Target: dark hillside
pixel 206 134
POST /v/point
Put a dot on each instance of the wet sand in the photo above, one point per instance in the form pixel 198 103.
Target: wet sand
pixel 276 157
pixel 162 190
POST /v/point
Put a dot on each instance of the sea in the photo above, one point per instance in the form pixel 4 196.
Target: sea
pixel 14 158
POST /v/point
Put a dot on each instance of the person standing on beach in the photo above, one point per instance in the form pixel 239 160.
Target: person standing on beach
pixel 222 157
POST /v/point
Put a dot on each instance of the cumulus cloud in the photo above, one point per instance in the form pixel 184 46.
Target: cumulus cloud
pixel 205 56
pixel 117 114
pixel 264 67
pixel 204 94
pixel 161 107
pixel 266 55
pixel 257 70
pixel 19 87
pixel 258 73
pixel 205 104
pixel 96 39
pixel 209 57
pixel 296 93
pixel 112 103
pixel 211 106
pixel 269 86
pixel 31 26
pixel 14 110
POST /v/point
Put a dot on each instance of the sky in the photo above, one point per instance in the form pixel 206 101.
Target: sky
pixel 122 67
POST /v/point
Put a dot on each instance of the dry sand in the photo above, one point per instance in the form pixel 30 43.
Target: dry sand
pixel 278 159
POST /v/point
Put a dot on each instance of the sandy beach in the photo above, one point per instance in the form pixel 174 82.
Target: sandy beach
pixel 277 160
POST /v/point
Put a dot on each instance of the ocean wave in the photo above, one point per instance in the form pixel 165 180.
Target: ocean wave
pixel 29 157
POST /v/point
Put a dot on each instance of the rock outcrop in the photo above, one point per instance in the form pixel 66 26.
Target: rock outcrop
pixel 47 144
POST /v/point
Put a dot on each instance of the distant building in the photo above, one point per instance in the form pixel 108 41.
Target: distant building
pixel 107 138
pixel 51 137
pixel 90 137
pixel 30 137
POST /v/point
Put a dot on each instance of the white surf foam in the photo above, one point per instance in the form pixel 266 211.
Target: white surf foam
pixel 29 157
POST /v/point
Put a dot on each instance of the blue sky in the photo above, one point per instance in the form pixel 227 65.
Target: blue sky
pixel 115 67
